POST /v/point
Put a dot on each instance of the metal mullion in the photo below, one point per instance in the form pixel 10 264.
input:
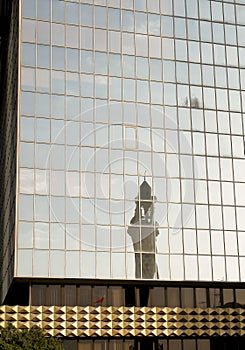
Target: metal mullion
pixel 232 158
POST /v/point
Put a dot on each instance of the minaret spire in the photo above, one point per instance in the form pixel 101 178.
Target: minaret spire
pixel 143 230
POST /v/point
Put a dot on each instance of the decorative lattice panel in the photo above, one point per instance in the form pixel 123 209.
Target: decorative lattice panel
pixel 124 321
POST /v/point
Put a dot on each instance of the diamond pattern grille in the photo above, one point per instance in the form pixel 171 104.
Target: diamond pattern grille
pixel 126 321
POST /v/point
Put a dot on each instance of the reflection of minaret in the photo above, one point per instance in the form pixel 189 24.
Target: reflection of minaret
pixel 143 231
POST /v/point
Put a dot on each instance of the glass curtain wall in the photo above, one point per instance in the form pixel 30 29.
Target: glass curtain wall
pixel 117 94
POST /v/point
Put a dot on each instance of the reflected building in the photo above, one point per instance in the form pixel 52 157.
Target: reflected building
pixel 94 95
pixel 143 231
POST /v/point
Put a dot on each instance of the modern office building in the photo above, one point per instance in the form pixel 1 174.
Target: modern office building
pixel 123 172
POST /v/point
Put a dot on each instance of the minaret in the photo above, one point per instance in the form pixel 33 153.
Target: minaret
pixel 143 230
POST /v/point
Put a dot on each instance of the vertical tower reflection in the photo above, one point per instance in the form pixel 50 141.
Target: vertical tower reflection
pixel 143 231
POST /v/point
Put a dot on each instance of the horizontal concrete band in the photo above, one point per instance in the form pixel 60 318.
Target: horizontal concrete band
pixel 100 321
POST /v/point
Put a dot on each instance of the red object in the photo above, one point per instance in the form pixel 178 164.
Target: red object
pixel 99 300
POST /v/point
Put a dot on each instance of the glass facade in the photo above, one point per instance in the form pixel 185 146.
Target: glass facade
pixel 131 140
pixel 170 344
pixel 140 296
pixel 128 344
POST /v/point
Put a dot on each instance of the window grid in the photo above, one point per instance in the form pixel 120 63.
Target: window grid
pixel 67 80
